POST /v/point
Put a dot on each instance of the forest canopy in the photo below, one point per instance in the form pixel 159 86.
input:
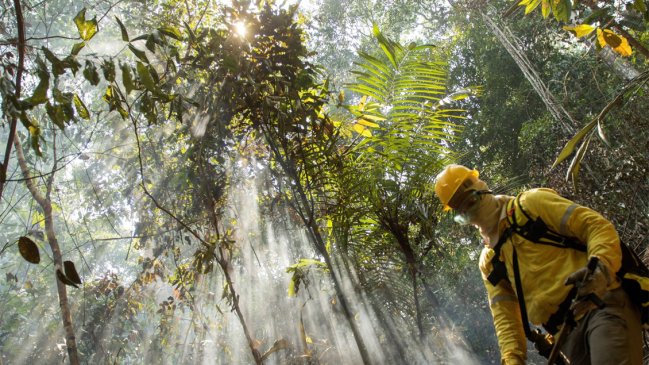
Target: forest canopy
pixel 189 182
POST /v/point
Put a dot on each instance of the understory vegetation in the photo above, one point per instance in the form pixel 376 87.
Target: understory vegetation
pixel 251 182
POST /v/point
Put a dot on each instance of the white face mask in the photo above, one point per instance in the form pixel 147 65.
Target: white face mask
pixel 467 210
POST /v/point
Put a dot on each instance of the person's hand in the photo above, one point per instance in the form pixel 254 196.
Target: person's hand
pixel 588 284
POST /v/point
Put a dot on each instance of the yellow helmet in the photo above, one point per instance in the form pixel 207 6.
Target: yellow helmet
pixel 449 180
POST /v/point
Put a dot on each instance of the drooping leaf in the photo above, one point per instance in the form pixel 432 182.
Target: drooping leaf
pixel 145 77
pixel 546 8
pixel 71 272
pixel 531 5
pixel 91 74
pixel 77 48
pixel 82 111
pixel 572 143
pixel 108 68
pixel 139 54
pixel 575 165
pixel 87 28
pixel 580 30
pixel 172 32
pixel 64 279
pixel 127 78
pixel 561 9
pixel 40 92
pixel 617 42
pixel 29 250
pixel 58 67
pixel 122 29
pixel 35 138
pixel 56 114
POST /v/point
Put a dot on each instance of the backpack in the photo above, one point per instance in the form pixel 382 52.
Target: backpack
pixel 633 274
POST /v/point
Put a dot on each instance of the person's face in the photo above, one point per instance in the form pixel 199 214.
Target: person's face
pixel 466 201
pixel 469 206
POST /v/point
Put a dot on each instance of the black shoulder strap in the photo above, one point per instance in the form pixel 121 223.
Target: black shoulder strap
pixel 537 231
pixel 499 270
pixel 521 297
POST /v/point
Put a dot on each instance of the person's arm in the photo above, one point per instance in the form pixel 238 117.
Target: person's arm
pixel 506 315
pixel 569 219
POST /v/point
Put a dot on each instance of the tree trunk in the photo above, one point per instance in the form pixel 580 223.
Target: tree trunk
pixel 46 204
pixel 20 24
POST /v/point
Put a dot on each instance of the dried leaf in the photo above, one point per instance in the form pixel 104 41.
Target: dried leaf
pixel 29 250
pixel 64 279
pixel 71 272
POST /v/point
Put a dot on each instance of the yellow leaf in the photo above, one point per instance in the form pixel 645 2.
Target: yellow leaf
pixel 362 130
pixel 361 105
pixel 580 30
pixel 617 42
pixel 545 8
pixel 531 6
pixel 367 123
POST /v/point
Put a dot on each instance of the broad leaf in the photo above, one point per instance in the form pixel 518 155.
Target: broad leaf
pixel 145 77
pixel 172 32
pixel 139 54
pixel 91 74
pixel 122 29
pixel 87 28
pixel 561 9
pixel 618 43
pixel 82 111
pixel 77 48
pixel 127 78
pixel 29 250
pixel 71 272
pixel 64 279
pixel 580 30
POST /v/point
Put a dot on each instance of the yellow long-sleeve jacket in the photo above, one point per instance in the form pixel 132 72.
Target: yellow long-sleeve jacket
pixel 543 268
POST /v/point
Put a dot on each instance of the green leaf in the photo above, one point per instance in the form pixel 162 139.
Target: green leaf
pixel 172 32
pixel 122 28
pixel 77 48
pixel 562 10
pixel 29 250
pixel 91 74
pixel 82 111
pixel 145 77
pixel 386 46
pixel 55 112
pixel 58 67
pixel 640 6
pixel 40 92
pixel 127 79
pixel 108 68
pixel 139 54
pixel 87 28
pixel 150 43
pixel 572 143
pixel 71 272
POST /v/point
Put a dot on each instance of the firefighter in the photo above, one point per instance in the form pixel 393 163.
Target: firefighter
pixel 543 282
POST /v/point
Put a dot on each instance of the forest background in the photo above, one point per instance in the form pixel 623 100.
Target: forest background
pixel 189 182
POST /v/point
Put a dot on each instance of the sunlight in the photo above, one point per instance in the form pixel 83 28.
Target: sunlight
pixel 241 29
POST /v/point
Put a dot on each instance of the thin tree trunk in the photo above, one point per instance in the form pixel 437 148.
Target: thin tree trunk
pixel 308 218
pixel 20 24
pixel 46 204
